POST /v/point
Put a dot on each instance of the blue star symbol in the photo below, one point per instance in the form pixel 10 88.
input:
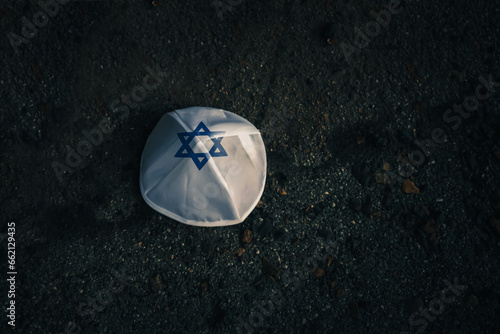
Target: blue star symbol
pixel 200 159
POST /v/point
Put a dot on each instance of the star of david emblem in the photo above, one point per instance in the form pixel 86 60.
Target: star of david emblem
pixel 200 159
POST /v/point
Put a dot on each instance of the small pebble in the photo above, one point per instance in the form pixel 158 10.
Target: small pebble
pixel 409 187
pixel 318 272
pixel 247 236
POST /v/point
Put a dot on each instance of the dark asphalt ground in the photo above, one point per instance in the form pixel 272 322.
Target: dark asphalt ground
pixel 361 227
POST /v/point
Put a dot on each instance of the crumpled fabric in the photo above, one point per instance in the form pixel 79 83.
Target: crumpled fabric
pixel 203 166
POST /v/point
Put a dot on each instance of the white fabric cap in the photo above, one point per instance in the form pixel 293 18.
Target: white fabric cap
pixel 203 166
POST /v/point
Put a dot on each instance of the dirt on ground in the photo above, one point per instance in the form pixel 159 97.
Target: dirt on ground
pixel 381 212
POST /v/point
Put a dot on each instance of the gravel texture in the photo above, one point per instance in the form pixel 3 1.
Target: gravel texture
pixel 362 228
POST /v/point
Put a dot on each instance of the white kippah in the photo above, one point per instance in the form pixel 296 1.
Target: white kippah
pixel 203 166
